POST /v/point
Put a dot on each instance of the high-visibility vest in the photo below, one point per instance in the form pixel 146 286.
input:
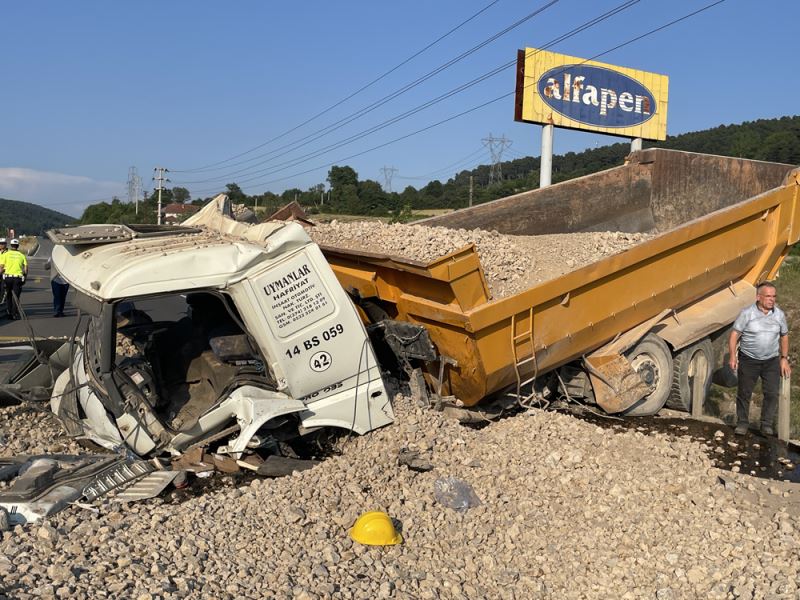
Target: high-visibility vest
pixel 14 263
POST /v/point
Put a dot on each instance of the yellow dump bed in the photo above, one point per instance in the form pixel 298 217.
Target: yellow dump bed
pixel 722 225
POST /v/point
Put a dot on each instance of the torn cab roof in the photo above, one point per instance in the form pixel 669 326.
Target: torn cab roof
pixel 180 259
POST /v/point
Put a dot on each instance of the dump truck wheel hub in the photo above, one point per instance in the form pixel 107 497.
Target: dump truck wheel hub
pixel 648 370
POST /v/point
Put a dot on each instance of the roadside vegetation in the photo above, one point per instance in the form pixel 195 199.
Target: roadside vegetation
pixel 344 192
pixel 789 299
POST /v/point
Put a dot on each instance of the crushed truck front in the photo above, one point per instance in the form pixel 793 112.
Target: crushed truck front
pixel 202 338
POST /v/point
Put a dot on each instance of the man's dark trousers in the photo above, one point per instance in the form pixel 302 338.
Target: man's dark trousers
pixel 750 369
pixel 59 297
pixel 13 287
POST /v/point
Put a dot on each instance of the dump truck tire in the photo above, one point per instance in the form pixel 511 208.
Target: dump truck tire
pixel 652 359
pixel 680 397
pixel 723 374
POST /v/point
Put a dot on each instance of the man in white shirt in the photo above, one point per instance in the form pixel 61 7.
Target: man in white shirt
pixel 763 336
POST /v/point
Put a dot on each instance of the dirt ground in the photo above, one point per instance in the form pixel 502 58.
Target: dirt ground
pixel 562 508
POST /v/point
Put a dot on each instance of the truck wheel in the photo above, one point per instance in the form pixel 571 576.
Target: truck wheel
pixel 722 374
pixel 652 360
pixel 725 376
pixel 686 363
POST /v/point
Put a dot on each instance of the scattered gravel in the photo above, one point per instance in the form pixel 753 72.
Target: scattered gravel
pixel 511 263
pixel 28 430
pixel 567 509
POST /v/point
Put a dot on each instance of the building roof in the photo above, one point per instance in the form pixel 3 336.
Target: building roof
pixel 291 212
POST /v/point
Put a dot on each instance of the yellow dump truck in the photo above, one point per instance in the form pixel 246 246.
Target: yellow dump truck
pixel 632 331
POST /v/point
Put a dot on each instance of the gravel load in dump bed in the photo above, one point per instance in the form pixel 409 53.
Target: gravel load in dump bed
pixel 567 510
pixel 511 263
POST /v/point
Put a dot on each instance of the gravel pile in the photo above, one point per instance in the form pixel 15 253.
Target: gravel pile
pixel 567 510
pixel 511 263
pixel 28 430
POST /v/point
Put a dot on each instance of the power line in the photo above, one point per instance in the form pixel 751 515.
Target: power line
pixel 80 201
pixel 469 158
pixel 314 154
pixel 383 145
pixel 469 165
pixel 355 137
pixel 517 154
pixel 483 104
pixel 291 146
pixel 351 95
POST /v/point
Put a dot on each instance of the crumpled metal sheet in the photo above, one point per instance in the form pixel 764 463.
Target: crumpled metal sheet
pixel 616 385
pixel 149 486
pixel 46 484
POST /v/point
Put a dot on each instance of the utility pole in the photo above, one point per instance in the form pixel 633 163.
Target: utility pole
pixel 388 173
pixel 160 179
pixel 470 189
pixel 496 147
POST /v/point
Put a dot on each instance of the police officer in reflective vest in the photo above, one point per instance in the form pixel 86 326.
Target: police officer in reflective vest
pixel 14 266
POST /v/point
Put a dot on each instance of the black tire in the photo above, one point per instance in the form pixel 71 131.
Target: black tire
pixel 725 376
pixel 652 359
pixel 680 397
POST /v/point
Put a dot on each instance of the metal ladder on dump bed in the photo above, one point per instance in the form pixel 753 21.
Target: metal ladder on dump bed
pixel 517 340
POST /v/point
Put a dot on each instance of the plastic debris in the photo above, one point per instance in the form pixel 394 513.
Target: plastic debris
pixel 455 493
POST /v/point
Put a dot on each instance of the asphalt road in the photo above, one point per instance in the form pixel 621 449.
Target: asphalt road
pixel 37 302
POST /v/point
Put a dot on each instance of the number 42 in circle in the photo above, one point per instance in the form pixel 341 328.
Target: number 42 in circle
pixel 320 361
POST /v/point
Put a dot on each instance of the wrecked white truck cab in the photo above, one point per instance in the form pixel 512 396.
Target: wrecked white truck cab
pixel 224 336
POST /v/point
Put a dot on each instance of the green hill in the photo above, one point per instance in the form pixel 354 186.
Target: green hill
pixel 29 219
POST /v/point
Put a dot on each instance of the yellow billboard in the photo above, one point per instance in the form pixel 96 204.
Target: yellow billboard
pixel 583 94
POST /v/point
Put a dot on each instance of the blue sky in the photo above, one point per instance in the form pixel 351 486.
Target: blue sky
pixel 93 88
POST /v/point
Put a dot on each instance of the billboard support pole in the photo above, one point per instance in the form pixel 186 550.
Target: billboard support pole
pixel 546 163
pixel 636 144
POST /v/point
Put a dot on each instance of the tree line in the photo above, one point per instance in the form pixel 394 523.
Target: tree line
pixel 775 140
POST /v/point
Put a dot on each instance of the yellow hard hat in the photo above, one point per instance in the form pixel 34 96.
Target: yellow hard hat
pixel 375 528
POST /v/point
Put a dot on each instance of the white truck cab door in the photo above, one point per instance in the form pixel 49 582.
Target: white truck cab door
pixel 316 344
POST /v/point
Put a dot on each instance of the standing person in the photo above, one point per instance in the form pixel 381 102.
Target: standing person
pixel 59 286
pixel 763 336
pixel 14 266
